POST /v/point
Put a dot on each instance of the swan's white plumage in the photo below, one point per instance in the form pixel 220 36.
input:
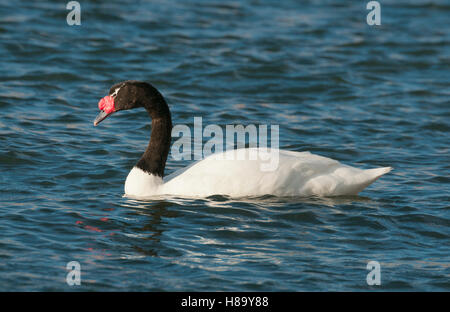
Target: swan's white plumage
pixel 141 184
pixel 297 174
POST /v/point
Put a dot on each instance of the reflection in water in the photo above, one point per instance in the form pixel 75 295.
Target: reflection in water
pixel 228 231
pixel 146 231
pixel 218 232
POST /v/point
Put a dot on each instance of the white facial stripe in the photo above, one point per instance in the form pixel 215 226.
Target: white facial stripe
pixel 115 92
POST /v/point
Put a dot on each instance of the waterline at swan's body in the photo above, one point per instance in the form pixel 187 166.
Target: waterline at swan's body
pixel 297 174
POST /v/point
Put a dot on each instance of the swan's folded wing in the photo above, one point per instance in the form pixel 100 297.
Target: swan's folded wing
pixel 296 174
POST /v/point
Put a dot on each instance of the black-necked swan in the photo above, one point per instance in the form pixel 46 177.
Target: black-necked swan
pixel 297 173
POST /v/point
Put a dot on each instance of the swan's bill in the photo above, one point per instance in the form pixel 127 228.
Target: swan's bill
pixel 100 117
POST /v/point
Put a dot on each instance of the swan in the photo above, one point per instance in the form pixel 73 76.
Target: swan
pixel 297 173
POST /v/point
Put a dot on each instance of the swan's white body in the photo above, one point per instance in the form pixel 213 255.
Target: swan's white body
pixel 296 174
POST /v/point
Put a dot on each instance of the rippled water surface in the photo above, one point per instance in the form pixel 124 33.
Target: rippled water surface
pixel 367 96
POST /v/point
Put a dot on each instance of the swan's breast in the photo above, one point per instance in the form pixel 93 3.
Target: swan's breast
pixel 141 183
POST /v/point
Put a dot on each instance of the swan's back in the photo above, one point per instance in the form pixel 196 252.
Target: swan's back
pixel 296 174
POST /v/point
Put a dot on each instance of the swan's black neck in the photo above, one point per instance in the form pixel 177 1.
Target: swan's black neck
pixel 153 161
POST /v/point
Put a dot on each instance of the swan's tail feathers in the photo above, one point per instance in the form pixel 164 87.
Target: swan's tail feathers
pixel 374 174
pixel 367 177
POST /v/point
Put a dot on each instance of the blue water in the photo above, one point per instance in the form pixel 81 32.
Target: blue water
pixel 367 96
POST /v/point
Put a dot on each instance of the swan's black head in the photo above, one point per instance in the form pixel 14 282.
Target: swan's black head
pixel 131 94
